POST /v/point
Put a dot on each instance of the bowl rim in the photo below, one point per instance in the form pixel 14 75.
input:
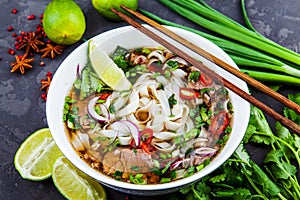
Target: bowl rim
pixel 54 103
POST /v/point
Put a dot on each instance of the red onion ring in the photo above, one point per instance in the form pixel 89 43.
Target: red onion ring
pixel 134 130
pixel 91 110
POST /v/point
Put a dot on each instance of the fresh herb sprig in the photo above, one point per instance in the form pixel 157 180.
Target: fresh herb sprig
pixel 88 82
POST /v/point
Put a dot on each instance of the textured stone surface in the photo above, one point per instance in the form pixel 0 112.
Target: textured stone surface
pixel 22 111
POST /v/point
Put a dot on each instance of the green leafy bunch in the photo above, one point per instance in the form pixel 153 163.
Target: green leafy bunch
pixel 242 178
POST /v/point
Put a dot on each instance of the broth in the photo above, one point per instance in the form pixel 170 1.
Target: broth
pixel 171 124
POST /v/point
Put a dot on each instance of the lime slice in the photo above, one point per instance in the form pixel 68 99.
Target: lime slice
pixel 74 184
pixel 36 155
pixel 106 69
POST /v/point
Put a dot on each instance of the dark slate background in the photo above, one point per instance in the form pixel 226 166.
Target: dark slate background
pixel 22 111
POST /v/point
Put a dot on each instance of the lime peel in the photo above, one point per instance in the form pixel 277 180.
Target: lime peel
pixel 103 7
pixel 106 69
pixel 36 155
pixel 64 22
pixel 73 184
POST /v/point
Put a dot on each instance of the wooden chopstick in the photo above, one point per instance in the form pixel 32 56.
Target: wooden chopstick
pixel 283 120
pixel 258 85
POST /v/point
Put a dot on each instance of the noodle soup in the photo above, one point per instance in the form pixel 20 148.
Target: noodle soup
pixel 168 126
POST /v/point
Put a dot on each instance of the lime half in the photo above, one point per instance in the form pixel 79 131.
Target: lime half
pixel 106 69
pixel 74 184
pixel 36 155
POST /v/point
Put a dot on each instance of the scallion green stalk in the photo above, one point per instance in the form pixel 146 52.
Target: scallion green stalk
pixel 213 20
pixel 244 56
pixel 272 78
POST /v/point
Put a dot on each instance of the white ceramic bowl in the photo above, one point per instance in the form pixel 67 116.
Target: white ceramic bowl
pixel 129 37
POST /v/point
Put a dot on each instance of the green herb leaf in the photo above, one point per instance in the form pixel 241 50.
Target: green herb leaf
pixel 194 76
pixel 242 154
pixel 239 193
pixel 279 168
pixel 260 124
pixel 269 187
pixel 85 83
pixel 172 100
pixel 172 64
pixel 218 178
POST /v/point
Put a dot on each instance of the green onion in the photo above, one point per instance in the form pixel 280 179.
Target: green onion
pixel 166 168
pixel 173 64
pixel 199 167
pixel 209 18
pixel 194 76
pixel 165 180
pixel 278 78
pixel 248 58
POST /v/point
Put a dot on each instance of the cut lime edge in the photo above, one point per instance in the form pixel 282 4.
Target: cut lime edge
pixel 25 174
pixel 81 178
pixel 123 83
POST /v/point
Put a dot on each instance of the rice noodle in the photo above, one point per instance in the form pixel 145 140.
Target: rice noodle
pixel 154 120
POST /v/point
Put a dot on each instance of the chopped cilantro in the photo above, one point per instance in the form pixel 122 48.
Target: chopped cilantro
pixel 173 64
pixel 172 100
pixel 194 76
pixel 165 180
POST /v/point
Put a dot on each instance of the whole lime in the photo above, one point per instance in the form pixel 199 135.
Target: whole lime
pixel 64 22
pixel 104 7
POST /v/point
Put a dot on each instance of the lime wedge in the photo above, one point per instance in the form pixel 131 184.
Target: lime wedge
pixel 36 155
pixel 106 69
pixel 74 184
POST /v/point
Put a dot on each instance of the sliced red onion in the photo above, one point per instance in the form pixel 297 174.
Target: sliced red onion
pixel 198 160
pixel 91 110
pixel 126 128
pixel 134 130
pixel 190 144
pixel 177 163
pixel 205 151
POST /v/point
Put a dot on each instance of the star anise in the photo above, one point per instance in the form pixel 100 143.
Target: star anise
pixel 46 83
pixel 52 50
pixel 21 64
pixel 31 41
